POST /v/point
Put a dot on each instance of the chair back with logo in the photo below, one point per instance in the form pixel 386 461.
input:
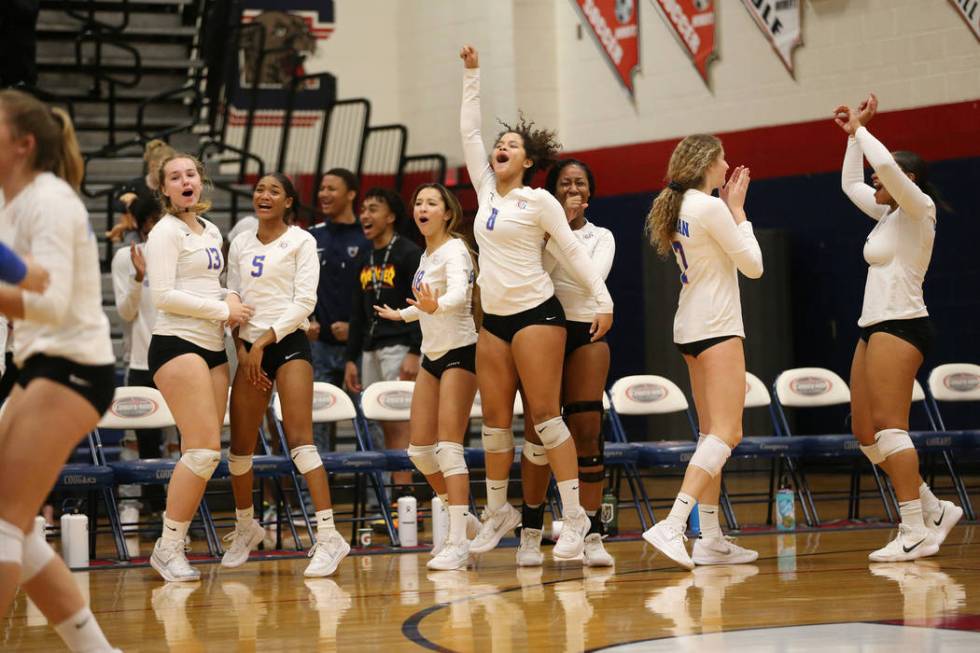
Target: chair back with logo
pixel 756 394
pixel 954 382
pixel 647 394
pixel 388 401
pixel 330 404
pixel 137 407
pixel 476 410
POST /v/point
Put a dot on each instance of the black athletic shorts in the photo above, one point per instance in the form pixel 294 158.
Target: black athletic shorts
pixel 579 335
pixel 698 347
pixel 163 349
pixel 506 327
pixel 294 347
pixel 462 358
pixel 95 383
pixel 917 331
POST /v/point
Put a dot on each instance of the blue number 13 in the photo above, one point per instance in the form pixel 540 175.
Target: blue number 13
pixel 682 260
pixel 214 258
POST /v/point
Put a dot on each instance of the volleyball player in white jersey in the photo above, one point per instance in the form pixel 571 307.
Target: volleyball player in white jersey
pixel 712 241
pixel 583 380
pixel 62 347
pixel 275 270
pixel 446 384
pixel 187 350
pixel 895 327
pixel 522 337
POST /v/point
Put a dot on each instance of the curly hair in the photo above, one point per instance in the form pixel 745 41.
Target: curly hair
pixel 541 146
pixel 688 165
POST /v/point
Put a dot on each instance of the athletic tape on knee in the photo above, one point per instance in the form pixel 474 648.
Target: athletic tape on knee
pixel 306 458
pixel 201 461
pixel 11 543
pixel 535 453
pixel 552 432
pixel 423 456
pixel 711 455
pixel 452 460
pixel 37 554
pixel 891 441
pixel 497 440
pixel 239 465
pixel 873 453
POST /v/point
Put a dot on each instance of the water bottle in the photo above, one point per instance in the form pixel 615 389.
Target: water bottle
pixel 785 508
pixel 74 540
pixel 694 520
pixel 609 514
pixel 440 522
pixel 408 531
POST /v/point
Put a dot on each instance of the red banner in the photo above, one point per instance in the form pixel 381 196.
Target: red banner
pixel 615 27
pixel 693 22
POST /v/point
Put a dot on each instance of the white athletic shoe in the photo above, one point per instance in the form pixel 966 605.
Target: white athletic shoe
pixel 669 542
pixel 243 541
pixel 571 542
pixel 595 554
pixel 495 525
pixel 529 552
pixel 454 555
pixel 909 544
pixel 942 521
pixel 170 561
pixel 473 525
pixel 721 551
pixel 327 554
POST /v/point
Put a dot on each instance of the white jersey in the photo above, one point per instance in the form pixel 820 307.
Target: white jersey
pixel 278 280
pixel 899 247
pixel 577 301
pixel 511 230
pixel 711 250
pixel 134 303
pixel 449 273
pixel 184 270
pixel 48 221
pixel 246 223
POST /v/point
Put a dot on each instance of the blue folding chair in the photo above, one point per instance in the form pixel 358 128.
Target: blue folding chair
pixel 956 382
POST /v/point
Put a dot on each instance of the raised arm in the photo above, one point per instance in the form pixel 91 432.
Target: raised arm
pixel 304 290
pixel 470 120
pixel 738 241
pixel 899 185
pixel 852 182
pixel 163 248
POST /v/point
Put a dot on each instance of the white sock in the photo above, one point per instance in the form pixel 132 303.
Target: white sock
pixel 708 516
pixel 683 505
pixel 911 512
pixel 81 632
pixel 569 496
pixel 445 499
pixel 324 521
pixel 929 501
pixel 174 531
pixel 457 523
pixel 244 517
pixel 496 494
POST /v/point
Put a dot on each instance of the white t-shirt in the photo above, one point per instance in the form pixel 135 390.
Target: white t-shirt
pixel 278 280
pixel 134 302
pixel 510 230
pixel 184 269
pixel 48 221
pixel 711 250
pixel 450 275
pixel 578 303
pixel 899 247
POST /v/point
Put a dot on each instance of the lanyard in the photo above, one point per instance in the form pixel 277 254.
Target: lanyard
pixel 377 281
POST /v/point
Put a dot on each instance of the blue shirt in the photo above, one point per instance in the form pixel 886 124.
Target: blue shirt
pixel 338 246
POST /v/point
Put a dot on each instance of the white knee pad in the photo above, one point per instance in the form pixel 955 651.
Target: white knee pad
pixel 552 432
pixel 452 460
pixel 873 453
pixel 535 453
pixel 201 461
pixel 701 437
pixel 711 455
pixel 11 543
pixel 37 554
pixel 891 441
pixel 239 465
pixel 423 456
pixel 306 458
pixel 496 440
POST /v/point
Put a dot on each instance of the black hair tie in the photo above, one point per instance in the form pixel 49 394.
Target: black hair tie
pixel 676 187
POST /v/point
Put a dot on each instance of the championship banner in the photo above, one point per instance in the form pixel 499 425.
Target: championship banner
pixel 615 27
pixel 693 22
pixel 779 20
pixel 970 11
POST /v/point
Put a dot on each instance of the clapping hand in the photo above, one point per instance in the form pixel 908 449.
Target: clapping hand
pixel 425 299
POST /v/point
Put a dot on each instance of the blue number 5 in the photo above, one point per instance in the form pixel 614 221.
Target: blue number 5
pixel 258 264
pixel 682 262
pixel 492 220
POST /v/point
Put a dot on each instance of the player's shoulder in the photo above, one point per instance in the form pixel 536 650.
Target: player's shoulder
pixel 299 235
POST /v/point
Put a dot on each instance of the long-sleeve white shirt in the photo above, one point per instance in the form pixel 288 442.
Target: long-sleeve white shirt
pixel 278 280
pixel 184 269
pixel 510 230
pixel 449 273
pixel 899 248
pixel 577 301
pixel 48 221
pixel 134 303
pixel 711 250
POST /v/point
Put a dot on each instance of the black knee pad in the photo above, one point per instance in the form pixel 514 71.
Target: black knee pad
pixel 582 407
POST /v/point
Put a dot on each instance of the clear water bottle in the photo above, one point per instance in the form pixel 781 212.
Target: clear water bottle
pixel 408 528
pixel 785 508
pixel 609 514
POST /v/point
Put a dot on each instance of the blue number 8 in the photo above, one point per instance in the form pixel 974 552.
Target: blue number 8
pixel 679 251
pixel 492 220
pixel 258 264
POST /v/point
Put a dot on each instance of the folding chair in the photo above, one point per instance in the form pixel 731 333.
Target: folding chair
pixel 956 382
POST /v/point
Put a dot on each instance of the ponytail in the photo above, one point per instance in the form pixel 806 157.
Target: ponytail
pixel 55 145
pixel 70 165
